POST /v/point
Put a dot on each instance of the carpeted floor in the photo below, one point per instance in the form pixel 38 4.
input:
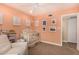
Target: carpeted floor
pixel 47 49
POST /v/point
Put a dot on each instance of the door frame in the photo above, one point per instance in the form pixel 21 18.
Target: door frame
pixel 71 14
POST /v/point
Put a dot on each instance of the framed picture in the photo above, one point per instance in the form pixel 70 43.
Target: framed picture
pixel 16 20
pixel 44 29
pixel 44 22
pixel 52 29
pixel 53 21
pixel 1 19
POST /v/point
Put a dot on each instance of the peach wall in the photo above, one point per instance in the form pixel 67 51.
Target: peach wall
pixel 8 14
pixel 54 37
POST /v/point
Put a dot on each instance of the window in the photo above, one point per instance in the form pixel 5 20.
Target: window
pixel 16 20
pixel 1 18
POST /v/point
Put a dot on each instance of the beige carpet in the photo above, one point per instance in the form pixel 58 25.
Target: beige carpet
pixel 47 49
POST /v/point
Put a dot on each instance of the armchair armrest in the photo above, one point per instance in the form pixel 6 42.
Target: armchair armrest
pixel 15 51
pixel 18 48
pixel 19 44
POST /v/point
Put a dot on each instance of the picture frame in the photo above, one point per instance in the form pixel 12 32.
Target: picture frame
pixel 43 29
pixel 52 29
pixel 53 22
pixel 44 22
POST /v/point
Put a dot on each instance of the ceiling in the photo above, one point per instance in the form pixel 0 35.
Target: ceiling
pixel 40 8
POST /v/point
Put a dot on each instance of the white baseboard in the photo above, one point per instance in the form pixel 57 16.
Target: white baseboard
pixel 77 48
pixel 69 41
pixel 51 43
pixel 65 41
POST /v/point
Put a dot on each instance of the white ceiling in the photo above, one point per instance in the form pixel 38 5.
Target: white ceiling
pixel 39 8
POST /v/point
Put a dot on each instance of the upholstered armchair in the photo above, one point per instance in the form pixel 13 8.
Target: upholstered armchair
pixel 7 48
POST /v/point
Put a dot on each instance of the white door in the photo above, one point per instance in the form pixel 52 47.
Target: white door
pixel 65 30
pixel 72 29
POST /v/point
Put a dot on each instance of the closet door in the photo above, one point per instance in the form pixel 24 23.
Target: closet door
pixel 65 30
pixel 72 29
